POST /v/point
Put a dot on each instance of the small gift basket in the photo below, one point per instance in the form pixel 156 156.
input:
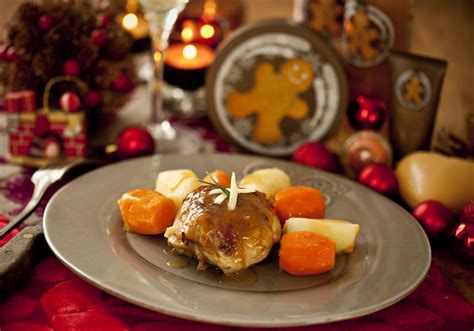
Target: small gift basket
pixel 38 136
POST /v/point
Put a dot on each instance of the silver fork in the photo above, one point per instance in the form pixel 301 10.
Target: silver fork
pixel 42 179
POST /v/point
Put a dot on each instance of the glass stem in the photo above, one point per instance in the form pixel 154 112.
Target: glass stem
pixel 159 125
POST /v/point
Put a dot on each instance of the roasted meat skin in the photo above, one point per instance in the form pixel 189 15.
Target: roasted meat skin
pixel 231 240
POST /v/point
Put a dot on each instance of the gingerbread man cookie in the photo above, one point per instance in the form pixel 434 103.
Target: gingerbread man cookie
pixel 413 90
pixel 361 36
pixel 273 97
pixel 324 16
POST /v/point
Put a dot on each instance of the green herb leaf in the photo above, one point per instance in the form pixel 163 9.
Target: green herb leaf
pixel 222 188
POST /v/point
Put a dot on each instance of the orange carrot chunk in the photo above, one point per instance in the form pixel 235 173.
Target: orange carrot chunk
pixel 299 201
pixel 146 211
pixel 306 253
pixel 221 177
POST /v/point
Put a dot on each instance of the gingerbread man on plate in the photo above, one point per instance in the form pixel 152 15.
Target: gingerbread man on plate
pixel 413 90
pixel 274 96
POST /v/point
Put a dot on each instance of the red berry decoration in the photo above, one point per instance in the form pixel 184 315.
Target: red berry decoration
pixel 462 239
pixel 11 54
pixel 134 141
pixel 366 113
pixel 70 102
pixel 3 52
pixel 380 178
pixel 99 37
pixel 71 67
pixel 122 84
pixel 435 218
pixel 467 213
pixel 103 20
pixel 316 155
pixel 92 99
pixel 46 22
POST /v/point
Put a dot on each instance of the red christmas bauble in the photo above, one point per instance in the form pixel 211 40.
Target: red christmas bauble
pixel 46 22
pixel 71 67
pixel 122 83
pixel 380 178
pixel 99 37
pixel 366 113
pixel 134 141
pixel 103 20
pixel 70 102
pixel 11 54
pixel 467 213
pixel 316 155
pixel 435 218
pixel 462 239
pixel 92 99
pixel 3 52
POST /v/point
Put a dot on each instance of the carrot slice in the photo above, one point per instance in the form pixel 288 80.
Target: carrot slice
pixel 146 211
pixel 299 201
pixel 221 177
pixel 306 253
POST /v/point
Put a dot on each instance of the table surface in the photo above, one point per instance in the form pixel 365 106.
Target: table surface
pixel 454 21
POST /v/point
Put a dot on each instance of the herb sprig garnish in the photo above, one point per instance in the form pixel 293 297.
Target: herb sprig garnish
pixel 214 184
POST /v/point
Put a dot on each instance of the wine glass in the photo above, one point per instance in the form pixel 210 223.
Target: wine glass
pixel 161 16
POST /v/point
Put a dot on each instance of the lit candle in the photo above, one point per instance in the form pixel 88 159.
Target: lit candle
pixel 186 65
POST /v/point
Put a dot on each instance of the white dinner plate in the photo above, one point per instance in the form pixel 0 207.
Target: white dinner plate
pixel 83 227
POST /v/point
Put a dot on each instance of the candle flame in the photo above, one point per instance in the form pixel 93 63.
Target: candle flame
pixel 130 21
pixel 188 31
pixel 207 31
pixel 187 34
pixel 210 9
pixel 157 56
pixel 189 52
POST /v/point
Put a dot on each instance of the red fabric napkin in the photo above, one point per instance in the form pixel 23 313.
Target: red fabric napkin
pixel 56 299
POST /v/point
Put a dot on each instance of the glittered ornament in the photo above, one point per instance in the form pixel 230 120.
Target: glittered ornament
pixel 70 102
pixel 122 83
pixel 380 178
pixel 71 67
pixel 92 99
pixel 46 22
pixel 435 218
pixel 134 141
pixel 316 155
pixel 366 113
pixel 462 239
pixel 467 213
pixel 363 148
pixel 99 37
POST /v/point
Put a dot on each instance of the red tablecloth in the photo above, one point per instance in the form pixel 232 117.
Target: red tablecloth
pixel 55 299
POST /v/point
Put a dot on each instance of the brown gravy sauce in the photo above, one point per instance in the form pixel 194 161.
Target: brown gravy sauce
pixel 243 278
pixel 177 262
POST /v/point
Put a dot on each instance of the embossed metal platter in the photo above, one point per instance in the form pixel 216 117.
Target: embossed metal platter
pixel 83 228
pixel 275 84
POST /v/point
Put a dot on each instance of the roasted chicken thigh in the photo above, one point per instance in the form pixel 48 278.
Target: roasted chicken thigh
pixel 229 239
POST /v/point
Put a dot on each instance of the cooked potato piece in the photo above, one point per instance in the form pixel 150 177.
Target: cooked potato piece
pixel 176 184
pixel 269 181
pixel 343 233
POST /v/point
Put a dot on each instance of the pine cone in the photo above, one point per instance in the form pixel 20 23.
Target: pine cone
pixel 106 72
pixel 87 54
pixel 21 78
pixel 44 63
pixel 60 38
pixel 26 41
pixel 119 44
pixel 28 13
